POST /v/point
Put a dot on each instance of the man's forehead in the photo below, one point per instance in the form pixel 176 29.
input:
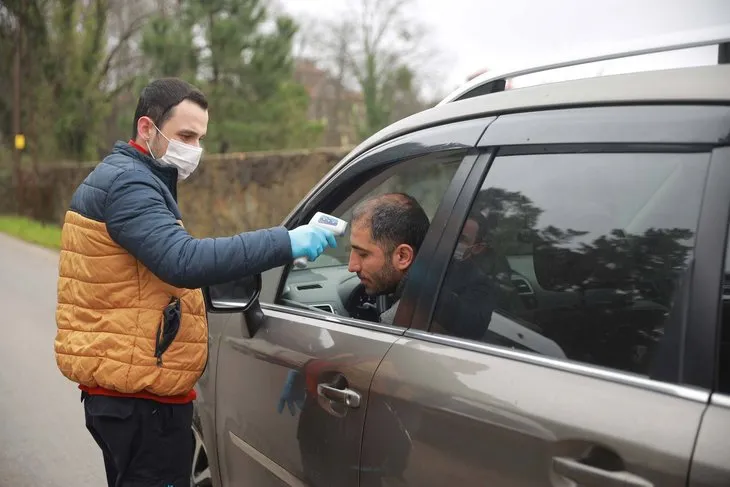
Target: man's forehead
pixel 189 116
pixel 361 229
pixel 361 236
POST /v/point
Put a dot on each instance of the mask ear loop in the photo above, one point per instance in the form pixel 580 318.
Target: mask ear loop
pixel 147 142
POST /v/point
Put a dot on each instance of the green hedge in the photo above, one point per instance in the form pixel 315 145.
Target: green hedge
pixel 31 231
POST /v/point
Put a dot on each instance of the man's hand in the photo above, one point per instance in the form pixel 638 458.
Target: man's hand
pixel 310 241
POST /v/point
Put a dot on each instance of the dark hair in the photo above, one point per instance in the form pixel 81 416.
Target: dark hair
pixel 160 97
pixel 395 219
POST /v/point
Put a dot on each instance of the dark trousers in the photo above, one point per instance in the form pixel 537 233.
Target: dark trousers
pixel 144 443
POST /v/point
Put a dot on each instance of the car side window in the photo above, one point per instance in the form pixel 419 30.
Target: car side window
pixel 326 284
pixel 575 256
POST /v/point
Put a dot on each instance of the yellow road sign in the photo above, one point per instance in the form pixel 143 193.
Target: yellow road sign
pixel 19 141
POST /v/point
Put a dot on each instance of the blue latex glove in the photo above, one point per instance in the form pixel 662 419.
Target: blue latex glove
pixel 310 241
pixel 290 396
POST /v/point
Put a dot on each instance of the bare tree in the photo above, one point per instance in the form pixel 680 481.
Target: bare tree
pixel 380 48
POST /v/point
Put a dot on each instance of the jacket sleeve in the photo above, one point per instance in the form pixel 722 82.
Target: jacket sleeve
pixel 138 219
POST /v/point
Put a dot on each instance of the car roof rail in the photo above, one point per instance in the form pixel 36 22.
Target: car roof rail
pixel 493 82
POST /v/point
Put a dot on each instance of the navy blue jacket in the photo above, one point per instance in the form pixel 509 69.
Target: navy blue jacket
pixel 137 200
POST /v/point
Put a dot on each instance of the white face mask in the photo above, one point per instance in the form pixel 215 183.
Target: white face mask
pixel 461 250
pixel 184 157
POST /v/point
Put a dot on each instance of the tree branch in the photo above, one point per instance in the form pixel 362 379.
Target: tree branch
pixel 133 29
pixel 127 84
pixel 389 16
pixel 101 9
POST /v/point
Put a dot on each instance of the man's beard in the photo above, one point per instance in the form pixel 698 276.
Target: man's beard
pixel 385 282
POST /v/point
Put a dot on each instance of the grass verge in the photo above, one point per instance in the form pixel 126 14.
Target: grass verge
pixel 31 231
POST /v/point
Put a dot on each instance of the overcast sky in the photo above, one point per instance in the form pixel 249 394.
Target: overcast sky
pixel 475 34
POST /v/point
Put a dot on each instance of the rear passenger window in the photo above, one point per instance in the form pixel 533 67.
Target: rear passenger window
pixel 576 256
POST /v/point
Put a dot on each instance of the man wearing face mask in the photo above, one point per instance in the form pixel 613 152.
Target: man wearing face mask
pixel 132 328
pixel 468 297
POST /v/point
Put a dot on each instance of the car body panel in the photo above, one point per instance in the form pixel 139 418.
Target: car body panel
pixel 477 418
pixel 710 461
pixel 261 447
pixel 205 389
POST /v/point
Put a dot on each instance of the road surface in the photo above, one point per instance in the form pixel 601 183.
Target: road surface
pixel 43 438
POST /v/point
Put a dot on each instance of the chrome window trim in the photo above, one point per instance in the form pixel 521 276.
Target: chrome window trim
pixel 587 370
pixel 223 304
pixel 285 312
pixel 330 309
pixel 721 400
pixel 275 469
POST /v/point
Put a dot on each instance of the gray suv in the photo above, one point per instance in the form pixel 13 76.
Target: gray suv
pixel 606 358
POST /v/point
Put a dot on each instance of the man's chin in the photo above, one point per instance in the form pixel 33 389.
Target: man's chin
pixel 371 291
pixel 378 291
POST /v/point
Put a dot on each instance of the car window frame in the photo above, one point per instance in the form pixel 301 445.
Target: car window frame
pixel 458 138
pixel 707 251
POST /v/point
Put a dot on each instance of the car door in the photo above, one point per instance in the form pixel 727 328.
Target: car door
pixel 559 341
pixel 710 466
pixel 293 376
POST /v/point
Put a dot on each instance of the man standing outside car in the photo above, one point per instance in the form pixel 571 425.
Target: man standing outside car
pixel 132 329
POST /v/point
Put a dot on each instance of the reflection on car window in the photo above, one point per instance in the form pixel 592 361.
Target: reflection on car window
pixel 575 255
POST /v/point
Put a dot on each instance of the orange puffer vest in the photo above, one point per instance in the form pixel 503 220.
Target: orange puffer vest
pixel 112 318
pixel 110 309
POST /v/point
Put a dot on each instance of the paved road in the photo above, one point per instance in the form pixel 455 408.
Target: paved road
pixel 43 441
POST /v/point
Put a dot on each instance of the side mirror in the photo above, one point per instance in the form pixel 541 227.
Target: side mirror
pixel 235 296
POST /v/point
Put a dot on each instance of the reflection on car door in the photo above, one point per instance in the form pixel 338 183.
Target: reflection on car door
pixel 315 440
pixel 473 418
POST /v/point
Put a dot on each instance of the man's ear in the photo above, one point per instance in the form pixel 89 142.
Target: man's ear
pixel 145 129
pixel 403 257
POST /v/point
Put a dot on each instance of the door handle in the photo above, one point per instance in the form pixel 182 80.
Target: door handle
pixel 348 397
pixel 589 476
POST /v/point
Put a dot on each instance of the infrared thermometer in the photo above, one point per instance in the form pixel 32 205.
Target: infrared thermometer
pixel 327 222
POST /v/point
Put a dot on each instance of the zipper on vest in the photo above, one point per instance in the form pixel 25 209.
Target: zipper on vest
pixel 168 328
